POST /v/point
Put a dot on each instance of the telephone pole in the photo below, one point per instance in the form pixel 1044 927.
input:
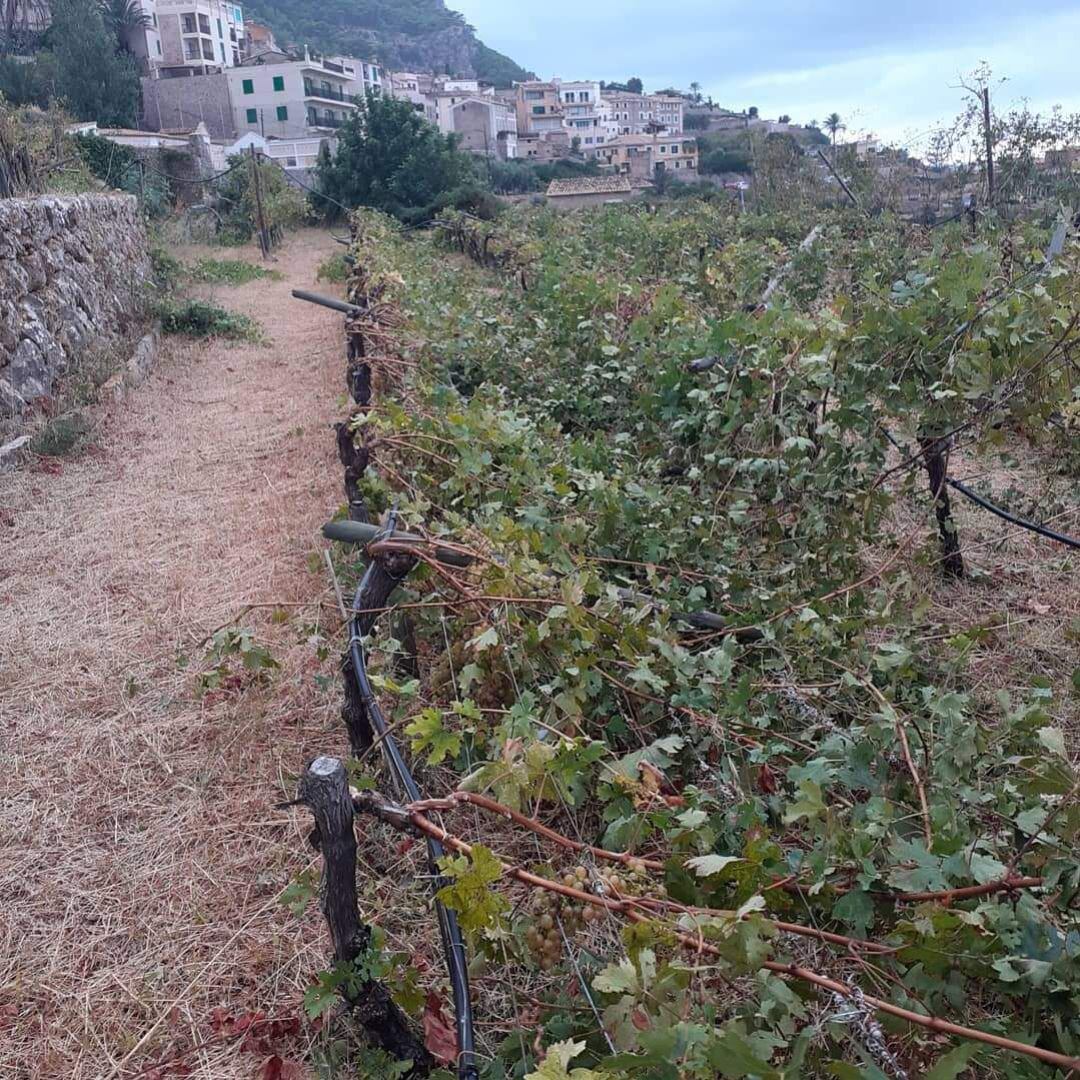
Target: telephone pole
pixel 256 185
pixel 989 146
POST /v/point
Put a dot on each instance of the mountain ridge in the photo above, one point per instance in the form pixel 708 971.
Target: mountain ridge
pixel 403 35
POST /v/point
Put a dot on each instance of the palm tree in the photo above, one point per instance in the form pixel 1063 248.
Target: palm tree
pixel 124 18
pixel 695 90
pixel 833 124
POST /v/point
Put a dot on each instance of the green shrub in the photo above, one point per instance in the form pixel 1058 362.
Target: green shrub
pixel 333 268
pixel 197 318
pixel 231 272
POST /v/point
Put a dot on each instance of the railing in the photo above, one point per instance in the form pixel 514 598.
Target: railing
pixel 331 93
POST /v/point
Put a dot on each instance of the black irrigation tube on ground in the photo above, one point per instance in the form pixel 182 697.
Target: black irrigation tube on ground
pixel 449 931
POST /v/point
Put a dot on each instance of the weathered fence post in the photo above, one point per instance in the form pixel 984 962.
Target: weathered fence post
pixel 934 458
pixel 324 789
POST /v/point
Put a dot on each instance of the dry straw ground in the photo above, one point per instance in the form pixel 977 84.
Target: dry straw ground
pixel 140 858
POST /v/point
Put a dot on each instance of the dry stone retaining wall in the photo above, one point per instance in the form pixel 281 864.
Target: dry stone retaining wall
pixel 73 277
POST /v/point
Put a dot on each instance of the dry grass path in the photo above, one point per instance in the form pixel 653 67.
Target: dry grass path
pixel 140 858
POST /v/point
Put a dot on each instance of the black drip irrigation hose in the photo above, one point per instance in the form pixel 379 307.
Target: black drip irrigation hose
pixel 1042 530
pixel 449 931
pixel 986 504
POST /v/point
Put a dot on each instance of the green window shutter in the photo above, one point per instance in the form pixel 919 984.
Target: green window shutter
pixel 252 116
pixel 282 112
pixel 279 82
pixel 249 86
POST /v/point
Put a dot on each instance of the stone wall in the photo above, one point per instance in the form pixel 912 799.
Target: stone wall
pixel 73 277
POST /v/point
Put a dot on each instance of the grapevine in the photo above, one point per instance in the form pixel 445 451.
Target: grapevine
pixel 817 789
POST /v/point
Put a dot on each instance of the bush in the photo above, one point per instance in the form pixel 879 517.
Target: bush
pixel 197 318
pixel 392 159
pixel 230 272
pixel 282 205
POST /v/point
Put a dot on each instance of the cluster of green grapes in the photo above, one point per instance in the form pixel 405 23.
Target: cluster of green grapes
pixel 549 909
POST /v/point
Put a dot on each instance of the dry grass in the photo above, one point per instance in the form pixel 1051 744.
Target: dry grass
pixel 1025 590
pixel 141 859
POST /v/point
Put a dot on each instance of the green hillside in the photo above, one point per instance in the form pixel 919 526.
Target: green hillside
pixel 419 35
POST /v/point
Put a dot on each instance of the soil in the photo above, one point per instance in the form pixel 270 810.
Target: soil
pixel 141 855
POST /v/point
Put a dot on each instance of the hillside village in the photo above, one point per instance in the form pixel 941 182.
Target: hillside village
pixel 216 83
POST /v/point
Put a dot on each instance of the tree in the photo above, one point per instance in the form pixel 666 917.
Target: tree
pixel 695 91
pixel 97 82
pixel 635 86
pixel 752 112
pixel 391 158
pixel 833 125
pixel 123 19
pixel 784 119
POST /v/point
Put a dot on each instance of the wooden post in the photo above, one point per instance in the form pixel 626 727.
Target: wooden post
pixel 988 134
pixel 264 238
pixel 324 789
pixel 936 463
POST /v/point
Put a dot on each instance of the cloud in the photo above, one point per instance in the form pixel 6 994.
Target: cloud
pixel 888 68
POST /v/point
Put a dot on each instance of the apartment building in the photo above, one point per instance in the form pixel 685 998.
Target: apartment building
pixel 637 114
pixel 539 107
pixel 273 94
pixel 191 36
pixel 285 97
pixel 585 115
pixel 641 156
pixel 486 125
pixel 418 88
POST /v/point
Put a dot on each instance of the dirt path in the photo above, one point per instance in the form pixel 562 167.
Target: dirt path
pixel 140 858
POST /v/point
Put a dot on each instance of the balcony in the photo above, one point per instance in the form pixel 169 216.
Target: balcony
pixel 324 91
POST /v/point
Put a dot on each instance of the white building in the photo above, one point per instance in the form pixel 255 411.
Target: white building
pixel 584 116
pixel 279 96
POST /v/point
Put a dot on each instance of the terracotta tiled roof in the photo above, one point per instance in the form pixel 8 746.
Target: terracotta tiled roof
pixel 591 185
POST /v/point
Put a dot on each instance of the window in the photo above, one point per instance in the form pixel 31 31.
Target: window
pixel 191 48
pixel 190 26
pixel 279 83
pixel 235 58
pixel 282 112
pixel 155 20
pixel 290 163
pixel 583 96
pixel 236 15
pixel 158 44
pixel 588 139
pixel 208 50
pixel 663 149
pixel 248 86
pixel 534 95
pixel 220 32
pixel 538 110
pixel 204 24
pixel 253 116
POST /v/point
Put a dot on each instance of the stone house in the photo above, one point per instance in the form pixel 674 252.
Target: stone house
pixel 641 156
pixel 589 191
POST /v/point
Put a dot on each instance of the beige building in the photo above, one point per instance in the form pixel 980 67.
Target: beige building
pixel 589 191
pixel 543 148
pixel 539 107
pixel 485 125
pixel 641 156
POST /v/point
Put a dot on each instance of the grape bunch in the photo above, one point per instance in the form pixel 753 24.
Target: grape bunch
pixel 548 909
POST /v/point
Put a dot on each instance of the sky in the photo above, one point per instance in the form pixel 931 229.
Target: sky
pixel 890 69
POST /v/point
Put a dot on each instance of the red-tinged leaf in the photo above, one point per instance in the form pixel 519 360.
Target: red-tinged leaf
pixel 439 1035
pixel 405 845
pixel 272 1068
pixel 220 1018
pixel 640 1019
pixel 766 779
